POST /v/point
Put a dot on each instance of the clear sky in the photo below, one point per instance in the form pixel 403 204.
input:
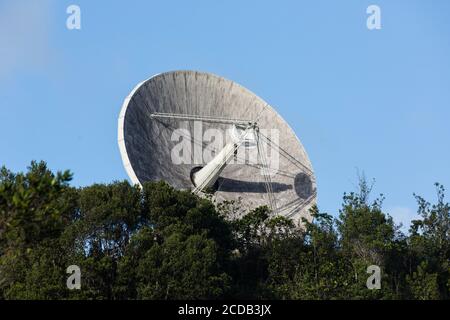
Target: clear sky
pixel 373 100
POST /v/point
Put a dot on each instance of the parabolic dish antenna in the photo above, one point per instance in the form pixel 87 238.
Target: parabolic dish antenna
pixel 201 132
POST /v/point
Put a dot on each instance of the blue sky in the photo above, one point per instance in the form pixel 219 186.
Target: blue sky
pixel 377 101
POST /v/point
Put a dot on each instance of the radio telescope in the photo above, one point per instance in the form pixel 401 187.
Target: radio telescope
pixel 201 132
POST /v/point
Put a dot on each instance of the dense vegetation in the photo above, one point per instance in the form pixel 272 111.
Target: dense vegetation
pixel 160 243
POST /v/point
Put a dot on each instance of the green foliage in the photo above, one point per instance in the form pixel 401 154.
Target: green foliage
pixel 423 285
pixel 156 242
pixel 430 247
pixel 182 267
pixel 35 208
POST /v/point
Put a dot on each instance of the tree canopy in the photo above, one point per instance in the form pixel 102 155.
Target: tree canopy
pixel 156 242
